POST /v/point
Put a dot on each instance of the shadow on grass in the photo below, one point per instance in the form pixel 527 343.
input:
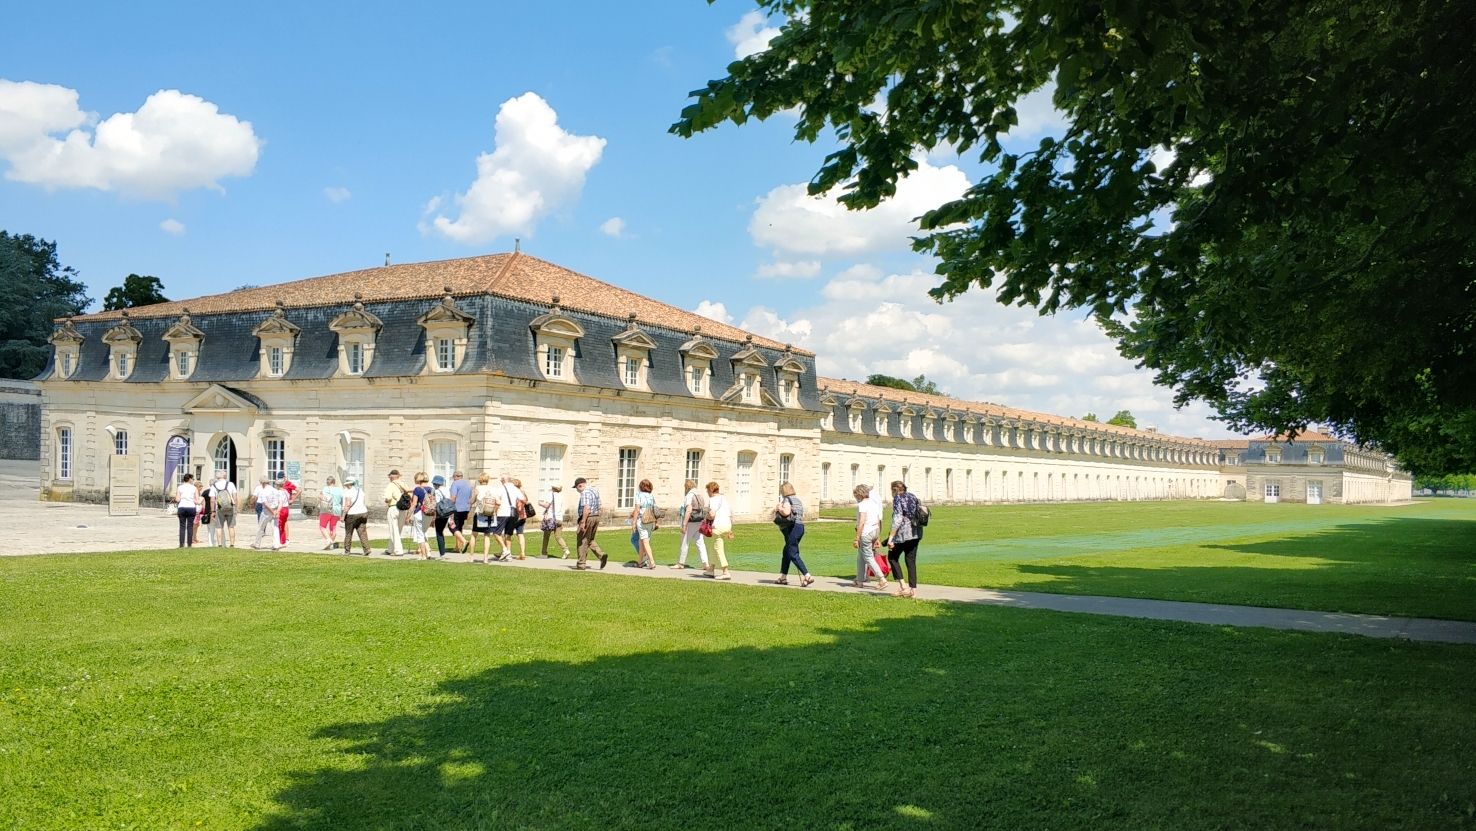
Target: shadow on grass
pixel 1413 567
pixel 968 718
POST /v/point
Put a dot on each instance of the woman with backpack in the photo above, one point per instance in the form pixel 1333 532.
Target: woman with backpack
pixel 694 513
pixel 330 511
pixel 643 521
pixel 789 515
pixel 424 497
pixel 906 534
pixel 553 521
pixel 443 509
pixel 484 517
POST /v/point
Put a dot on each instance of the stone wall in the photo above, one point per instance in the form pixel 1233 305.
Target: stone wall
pixel 20 420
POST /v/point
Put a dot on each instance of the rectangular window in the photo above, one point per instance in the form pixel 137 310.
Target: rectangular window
pixel 881 425
pixel 355 358
pixel 553 364
pixel 182 363
pixel 825 481
pixel 354 464
pixel 550 467
pixel 928 481
pixel 694 379
pixel 274 360
pixel 881 478
pixel 748 385
pixel 786 466
pixel 907 476
pixel 969 485
pixel 632 372
pixel 1273 457
pixel 855 476
pixel 786 391
pixel 66 363
pixel 694 466
pixel 276 458
pixel 948 484
pixel 445 354
pixel 120 443
pixel 443 459
pixel 625 478
pixel 122 364
pixel 64 453
pixel 855 421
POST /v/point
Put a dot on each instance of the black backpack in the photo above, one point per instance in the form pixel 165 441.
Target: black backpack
pixel 921 515
pixel 405 501
pixel 445 505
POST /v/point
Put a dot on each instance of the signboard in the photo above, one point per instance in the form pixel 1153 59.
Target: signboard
pixel 175 452
pixel 123 486
pixel 294 472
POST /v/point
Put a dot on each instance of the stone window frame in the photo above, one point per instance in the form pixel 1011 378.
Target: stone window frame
pixel 929 423
pixel 184 345
pixel 787 374
pixel 555 330
pixel 855 412
pixel 67 342
pixel 881 418
pixel 441 323
pixel 64 464
pixel 1273 455
pixel 355 326
pixel 1316 455
pixel 634 344
pixel 697 355
pixel 122 341
pixel 275 332
pixel 905 422
pixel 748 384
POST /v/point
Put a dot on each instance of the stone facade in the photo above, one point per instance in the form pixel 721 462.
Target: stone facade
pixel 20 420
pixel 1318 469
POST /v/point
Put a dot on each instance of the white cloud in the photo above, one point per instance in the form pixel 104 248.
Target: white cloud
pixel 714 311
pixel 789 220
pixel 751 34
pixel 172 226
pixel 174 143
pixel 864 322
pixel 337 194
pixel 1037 115
pixel 787 270
pixel 612 226
pixel 537 168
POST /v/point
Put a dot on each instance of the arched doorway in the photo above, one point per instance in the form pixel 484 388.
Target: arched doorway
pixel 224 457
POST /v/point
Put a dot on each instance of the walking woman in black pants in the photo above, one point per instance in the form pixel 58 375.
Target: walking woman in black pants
pixel 902 544
pixel 187 500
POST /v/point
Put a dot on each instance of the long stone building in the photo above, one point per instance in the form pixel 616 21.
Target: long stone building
pixel 507 363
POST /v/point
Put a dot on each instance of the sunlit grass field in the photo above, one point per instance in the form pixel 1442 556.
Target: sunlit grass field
pixel 211 689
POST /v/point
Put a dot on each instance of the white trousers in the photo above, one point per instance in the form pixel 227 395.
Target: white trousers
pixel 396 530
pixel 693 531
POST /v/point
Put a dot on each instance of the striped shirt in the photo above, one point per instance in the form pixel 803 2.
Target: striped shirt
pixel 589 502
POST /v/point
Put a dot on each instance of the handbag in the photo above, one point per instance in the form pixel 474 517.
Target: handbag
pixel 648 515
pixel 705 529
pixel 785 522
pixel 548 524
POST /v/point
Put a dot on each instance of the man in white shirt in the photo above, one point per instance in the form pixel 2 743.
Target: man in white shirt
pixel 355 516
pixel 868 535
pixel 266 500
pixel 509 521
pixel 223 508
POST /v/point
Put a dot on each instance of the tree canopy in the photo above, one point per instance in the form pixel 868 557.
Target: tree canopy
pixel 1089 417
pixel 919 384
pixel 1272 205
pixel 1123 418
pixel 35 290
pixel 136 291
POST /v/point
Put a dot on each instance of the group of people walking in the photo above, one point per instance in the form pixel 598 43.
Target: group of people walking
pixel 488 512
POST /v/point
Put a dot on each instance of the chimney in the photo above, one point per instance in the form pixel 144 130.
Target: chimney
pixel 517 245
pixel 386 259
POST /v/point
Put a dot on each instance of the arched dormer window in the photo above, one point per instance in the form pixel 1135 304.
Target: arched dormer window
pixel 930 417
pixel 446 334
pixel 855 410
pixel 748 387
pixel 829 402
pixel 278 337
pixel 970 423
pixel 787 372
pixel 357 332
pixel 68 344
pixel 633 349
pixel 697 357
pixel 881 415
pixel 950 426
pixel 184 347
pixel 905 417
pixel 122 341
pixel 555 337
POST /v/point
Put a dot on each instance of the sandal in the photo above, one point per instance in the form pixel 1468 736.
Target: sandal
pixel 807 581
pixel 782 581
pixel 679 565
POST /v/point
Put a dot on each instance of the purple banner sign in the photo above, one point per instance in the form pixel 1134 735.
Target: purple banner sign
pixel 175 453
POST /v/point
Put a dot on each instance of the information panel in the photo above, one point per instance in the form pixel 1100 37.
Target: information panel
pixel 123 485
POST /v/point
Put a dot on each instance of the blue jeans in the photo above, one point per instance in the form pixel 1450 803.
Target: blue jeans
pixel 791 550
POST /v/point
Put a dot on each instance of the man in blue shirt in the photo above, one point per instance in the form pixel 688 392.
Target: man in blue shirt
pixel 589 524
pixel 461 492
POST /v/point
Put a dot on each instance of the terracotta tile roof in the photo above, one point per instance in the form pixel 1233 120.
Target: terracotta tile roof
pixel 1232 444
pixel 514 276
pixel 941 403
pixel 1305 435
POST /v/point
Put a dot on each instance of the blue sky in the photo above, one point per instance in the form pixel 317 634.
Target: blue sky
pixel 361 116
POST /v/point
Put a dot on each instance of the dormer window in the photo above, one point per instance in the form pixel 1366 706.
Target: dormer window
pixel 747 364
pixel 750 388
pixel 184 345
pixel 278 337
pixel 855 422
pixel 447 331
pixel 68 343
pixel 881 422
pixel 554 336
pixel 786 392
pixel 948 431
pixel 1314 456
pixel 1273 457
pixel 632 371
pixel 697 357
pixel 905 422
pixel 787 372
pixel 927 425
pixel 122 341
pixel 358 331
pixel 633 349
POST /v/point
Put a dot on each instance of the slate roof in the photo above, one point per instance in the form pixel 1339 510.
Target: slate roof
pixel 894 397
pixel 515 276
pixel 1305 435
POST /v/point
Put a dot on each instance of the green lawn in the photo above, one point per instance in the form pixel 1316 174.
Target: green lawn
pixel 1417 560
pixel 281 691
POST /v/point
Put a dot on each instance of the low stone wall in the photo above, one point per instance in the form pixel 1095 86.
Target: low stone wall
pixel 20 420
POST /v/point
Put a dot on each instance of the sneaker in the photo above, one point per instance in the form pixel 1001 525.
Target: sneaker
pixel 724 576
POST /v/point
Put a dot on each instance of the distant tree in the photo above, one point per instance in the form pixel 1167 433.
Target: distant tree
pixel 1124 419
pixel 136 291
pixel 35 289
pixel 889 381
pixel 1089 417
pixel 923 385
pixel 247 286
